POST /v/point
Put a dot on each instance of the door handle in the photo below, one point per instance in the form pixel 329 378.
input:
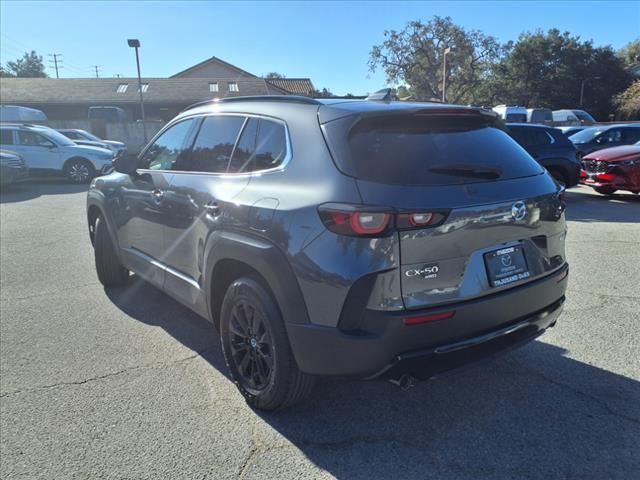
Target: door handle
pixel 212 208
pixel 157 195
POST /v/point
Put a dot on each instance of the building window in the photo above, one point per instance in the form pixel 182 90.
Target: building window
pixel 122 87
pixel 145 87
pixel 213 86
pixel 233 87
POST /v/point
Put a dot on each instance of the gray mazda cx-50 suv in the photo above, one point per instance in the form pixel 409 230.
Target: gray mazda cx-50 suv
pixel 325 237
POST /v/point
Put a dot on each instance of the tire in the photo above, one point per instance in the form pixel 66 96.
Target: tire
pixel 256 348
pixel 79 170
pixel 605 190
pixel 110 272
pixel 560 176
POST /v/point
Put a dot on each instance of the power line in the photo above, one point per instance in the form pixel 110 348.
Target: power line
pixel 56 60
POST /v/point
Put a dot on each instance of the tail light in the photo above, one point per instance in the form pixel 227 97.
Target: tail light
pixel 367 221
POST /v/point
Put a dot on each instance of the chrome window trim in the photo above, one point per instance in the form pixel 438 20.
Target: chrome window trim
pixel 282 166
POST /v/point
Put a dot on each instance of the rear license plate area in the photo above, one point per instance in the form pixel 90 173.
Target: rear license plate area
pixel 506 265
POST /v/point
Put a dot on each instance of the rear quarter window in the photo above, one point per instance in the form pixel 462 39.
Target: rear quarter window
pixel 426 150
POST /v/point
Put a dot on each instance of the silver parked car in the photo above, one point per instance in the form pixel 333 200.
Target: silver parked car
pixel 82 137
pixel 46 151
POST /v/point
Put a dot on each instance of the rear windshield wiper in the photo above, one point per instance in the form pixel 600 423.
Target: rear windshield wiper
pixel 486 173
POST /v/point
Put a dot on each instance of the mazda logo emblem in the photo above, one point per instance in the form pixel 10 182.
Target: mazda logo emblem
pixel 518 211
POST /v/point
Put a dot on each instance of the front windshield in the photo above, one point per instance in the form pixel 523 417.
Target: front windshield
pixel 89 136
pixel 58 138
pixel 586 135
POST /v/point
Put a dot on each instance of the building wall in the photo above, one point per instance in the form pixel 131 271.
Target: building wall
pixel 130 133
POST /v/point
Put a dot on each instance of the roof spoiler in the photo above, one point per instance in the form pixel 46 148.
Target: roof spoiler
pixel 383 95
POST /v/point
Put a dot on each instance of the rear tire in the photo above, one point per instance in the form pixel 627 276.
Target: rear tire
pixel 79 170
pixel 560 176
pixel 605 190
pixel 110 272
pixel 256 348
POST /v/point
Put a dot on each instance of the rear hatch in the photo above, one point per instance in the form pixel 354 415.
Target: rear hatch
pixel 497 216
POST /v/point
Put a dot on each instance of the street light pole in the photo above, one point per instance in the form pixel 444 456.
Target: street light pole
pixel 444 74
pixel 582 88
pixel 135 43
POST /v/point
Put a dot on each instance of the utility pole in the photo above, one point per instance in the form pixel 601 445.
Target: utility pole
pixel 56 60
pixel 444 74
pixel 96 67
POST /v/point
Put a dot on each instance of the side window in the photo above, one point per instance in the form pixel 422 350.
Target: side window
pixel 271 145
pixel 520 136
pixel 244 154
pixel 73 135
pixel 6 137
pixel 214 144
pixel 611 136
pixel 169 148
pixel 631 135
pixel 32 139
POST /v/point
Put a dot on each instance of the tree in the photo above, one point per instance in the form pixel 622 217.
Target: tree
pixel 548 70
pixel 5 73
pixel 324 93
pixel 30 65
pixel 415 56
pixel 274 75
pixel 630 54
pixel 628 102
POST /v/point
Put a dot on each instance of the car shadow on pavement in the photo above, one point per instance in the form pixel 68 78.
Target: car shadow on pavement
pixel 584 205
pixel 34 188
pixel 533 413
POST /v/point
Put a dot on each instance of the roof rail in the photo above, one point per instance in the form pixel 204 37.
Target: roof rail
pixel 19 124
pixel 258 98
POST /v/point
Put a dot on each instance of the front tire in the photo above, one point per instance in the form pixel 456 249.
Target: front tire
pixel 79 170
pixel 110 272
pixel 256 348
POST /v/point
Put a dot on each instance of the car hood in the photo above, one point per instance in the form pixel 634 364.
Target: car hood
pixel 614 154
pixel 7 155
pixel 89 150
pixel 114 143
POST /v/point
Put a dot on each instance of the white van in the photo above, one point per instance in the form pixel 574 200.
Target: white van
pixel 565 118
pixel 511 113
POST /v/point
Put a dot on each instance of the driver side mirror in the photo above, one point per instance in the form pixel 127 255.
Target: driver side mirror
pixel 126 164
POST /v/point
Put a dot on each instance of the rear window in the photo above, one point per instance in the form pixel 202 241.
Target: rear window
pixel 516 117
pixel 426 150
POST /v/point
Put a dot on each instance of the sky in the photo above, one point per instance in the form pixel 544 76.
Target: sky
pixel 328 42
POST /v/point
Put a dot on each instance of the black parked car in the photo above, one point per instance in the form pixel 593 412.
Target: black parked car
pixel 605 136
pixel 551 149
pixel 368 239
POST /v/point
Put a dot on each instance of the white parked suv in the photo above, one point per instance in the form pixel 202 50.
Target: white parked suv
pixel 46 151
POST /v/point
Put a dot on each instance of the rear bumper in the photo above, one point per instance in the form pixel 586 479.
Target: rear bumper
pixel 386 347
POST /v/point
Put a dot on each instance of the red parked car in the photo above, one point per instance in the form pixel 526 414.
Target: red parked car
pixel 612 169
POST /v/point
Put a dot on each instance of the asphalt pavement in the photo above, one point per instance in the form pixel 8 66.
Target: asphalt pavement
pixel 129 384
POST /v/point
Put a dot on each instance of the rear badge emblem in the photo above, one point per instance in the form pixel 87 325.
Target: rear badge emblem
pixel 518 211
pixel 426 272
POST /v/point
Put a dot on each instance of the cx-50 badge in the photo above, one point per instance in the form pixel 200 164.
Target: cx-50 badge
pixel 518 211
pixel 427 271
